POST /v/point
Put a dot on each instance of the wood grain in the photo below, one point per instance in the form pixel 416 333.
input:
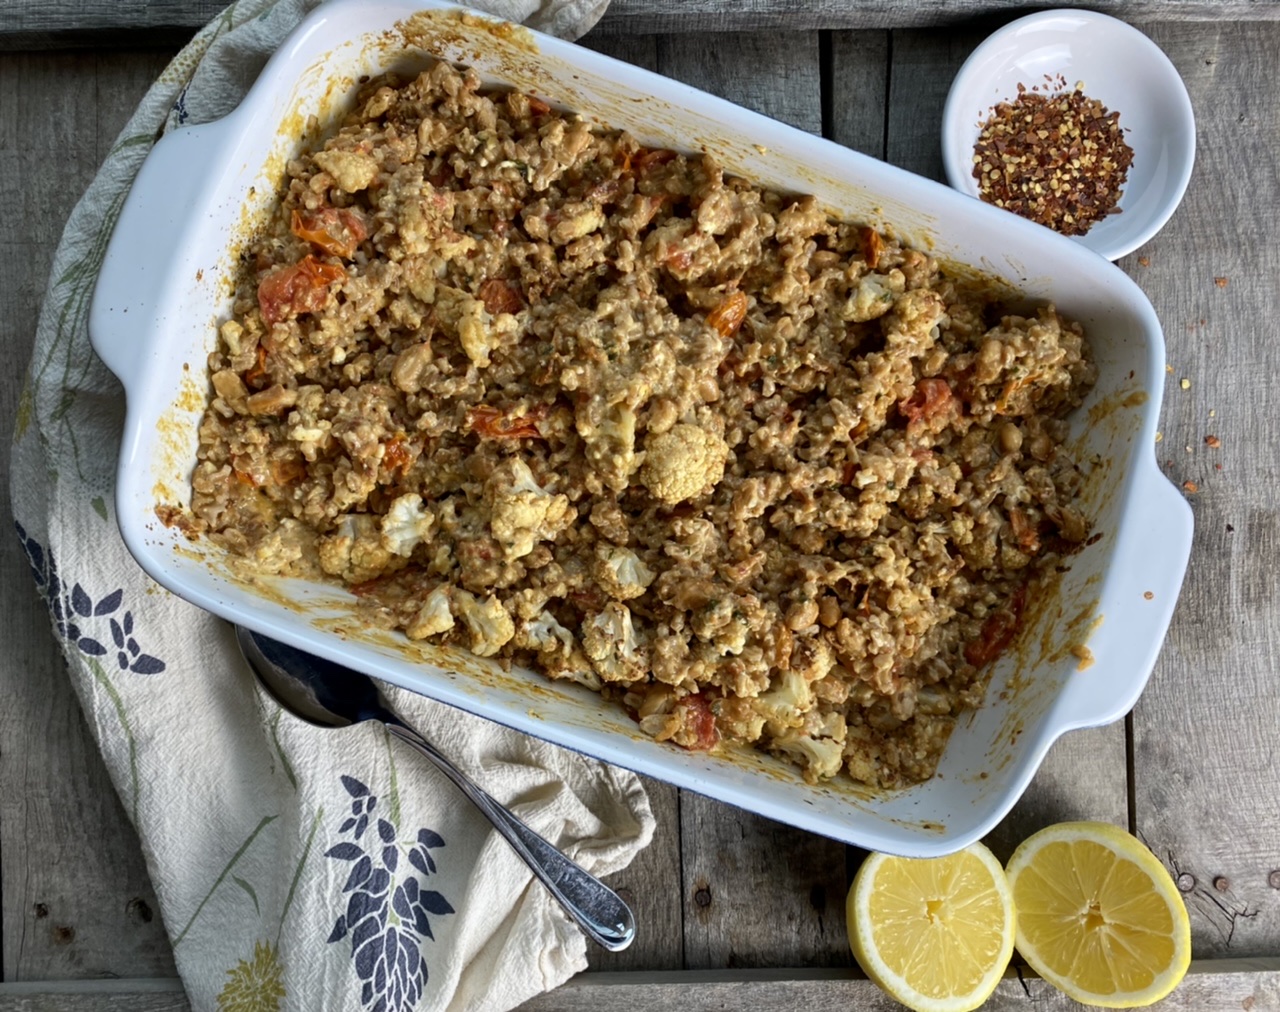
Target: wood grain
pixel 32 24
pixel 1253 985
pixel 76 898
pixel 1206 764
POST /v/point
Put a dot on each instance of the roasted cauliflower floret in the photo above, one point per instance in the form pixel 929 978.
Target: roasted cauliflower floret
pixel 609 640
pixel 682 463
pixel 787 701
pixel 545 635
pixel 821 758
pixel 434 617
pixel 406 525
pixel 620 572
pixel 874 296
pixel 351 170
pixel 521 512
pixel 609 432
pixel 490 626
pixel 354 551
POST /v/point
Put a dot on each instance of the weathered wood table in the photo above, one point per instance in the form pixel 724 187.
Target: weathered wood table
pixel 736 911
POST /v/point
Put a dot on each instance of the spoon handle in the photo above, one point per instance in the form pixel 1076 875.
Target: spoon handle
pixel 597 909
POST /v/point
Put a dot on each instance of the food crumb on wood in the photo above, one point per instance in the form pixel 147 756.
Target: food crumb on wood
pixel 1212 413
pixel 1217 467
pixel 1159 437
pixel 1168 368
pixel 1213 442
pixel 1222 282
pixel 1191 486
pixel 1144 261
pixel 1184 383
pixel 1148 595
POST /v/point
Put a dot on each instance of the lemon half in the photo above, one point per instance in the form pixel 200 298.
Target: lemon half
pixel 935 933
pixel 1098 916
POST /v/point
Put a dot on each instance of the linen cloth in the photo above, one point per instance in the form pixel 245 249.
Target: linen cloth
pixel 296 868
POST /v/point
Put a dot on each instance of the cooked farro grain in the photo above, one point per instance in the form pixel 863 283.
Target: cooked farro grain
pixel 753 473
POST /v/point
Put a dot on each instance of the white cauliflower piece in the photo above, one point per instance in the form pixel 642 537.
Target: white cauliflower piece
pixel 821 758
pixel 545 635
pixel 521 512
pixel 787 701
pixel 874 296
pixel 406 525
pixel 473 331
pixel 609 640
pixel 620 572
pixel 354 551
pixel 609 431
pixel 488 622
pixel 351 170
pixel 434 617
pixel 682 463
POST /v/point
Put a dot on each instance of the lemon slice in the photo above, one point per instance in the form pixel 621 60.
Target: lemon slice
pixel 936 934
pixel 1098 916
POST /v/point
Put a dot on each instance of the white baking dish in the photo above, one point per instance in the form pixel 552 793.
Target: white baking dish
pixel 166 282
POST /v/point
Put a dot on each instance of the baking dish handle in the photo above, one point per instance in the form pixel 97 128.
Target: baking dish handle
pixel 1152 549
pixel 145 247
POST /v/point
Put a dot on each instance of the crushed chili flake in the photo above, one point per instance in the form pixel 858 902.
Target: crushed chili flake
pixel 1060 160
pixel 1222 282
pixel 1144 261
pixel 1212 441
pixel 1191 486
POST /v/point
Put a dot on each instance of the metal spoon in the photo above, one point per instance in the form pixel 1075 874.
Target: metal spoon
pixel 328 695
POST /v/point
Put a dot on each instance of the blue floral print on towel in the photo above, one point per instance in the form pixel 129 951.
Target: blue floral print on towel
pixel 387 911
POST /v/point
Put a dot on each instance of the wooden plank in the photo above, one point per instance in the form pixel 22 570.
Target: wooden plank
pixel 31 24
pixel 1253 986
pixel 756 893
pixel 1205 731
pixel 76 898
pixel 1084 774
pixel 856 92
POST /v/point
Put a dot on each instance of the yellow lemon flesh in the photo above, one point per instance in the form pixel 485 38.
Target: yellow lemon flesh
pixel 935 933
pixel 1098 916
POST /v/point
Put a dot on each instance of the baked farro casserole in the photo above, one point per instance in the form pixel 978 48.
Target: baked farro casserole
pixel 754 474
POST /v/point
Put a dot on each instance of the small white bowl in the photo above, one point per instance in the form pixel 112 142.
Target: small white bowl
pixel 1121 68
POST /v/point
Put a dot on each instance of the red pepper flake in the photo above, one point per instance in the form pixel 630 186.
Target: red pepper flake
pixel 1222 282
pixel 500 296
pixel 493 423
pixel 1060 160
pixel 1144 261
pixel 1191 487
pixel 1212 441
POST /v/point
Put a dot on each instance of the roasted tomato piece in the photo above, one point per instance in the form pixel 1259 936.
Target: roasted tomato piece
pixel 727 317
pixel 698 731
pixel 494 423
pixel 300 288
pixel 500 296
pixel 335 230
pixel 872 247
pixel 997 631
pixel 651 158
pixel 931 403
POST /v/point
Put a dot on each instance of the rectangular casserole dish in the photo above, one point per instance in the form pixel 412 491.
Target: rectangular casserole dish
pixel 167 281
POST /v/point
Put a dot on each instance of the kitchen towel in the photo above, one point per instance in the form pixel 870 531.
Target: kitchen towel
pixel 296 868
